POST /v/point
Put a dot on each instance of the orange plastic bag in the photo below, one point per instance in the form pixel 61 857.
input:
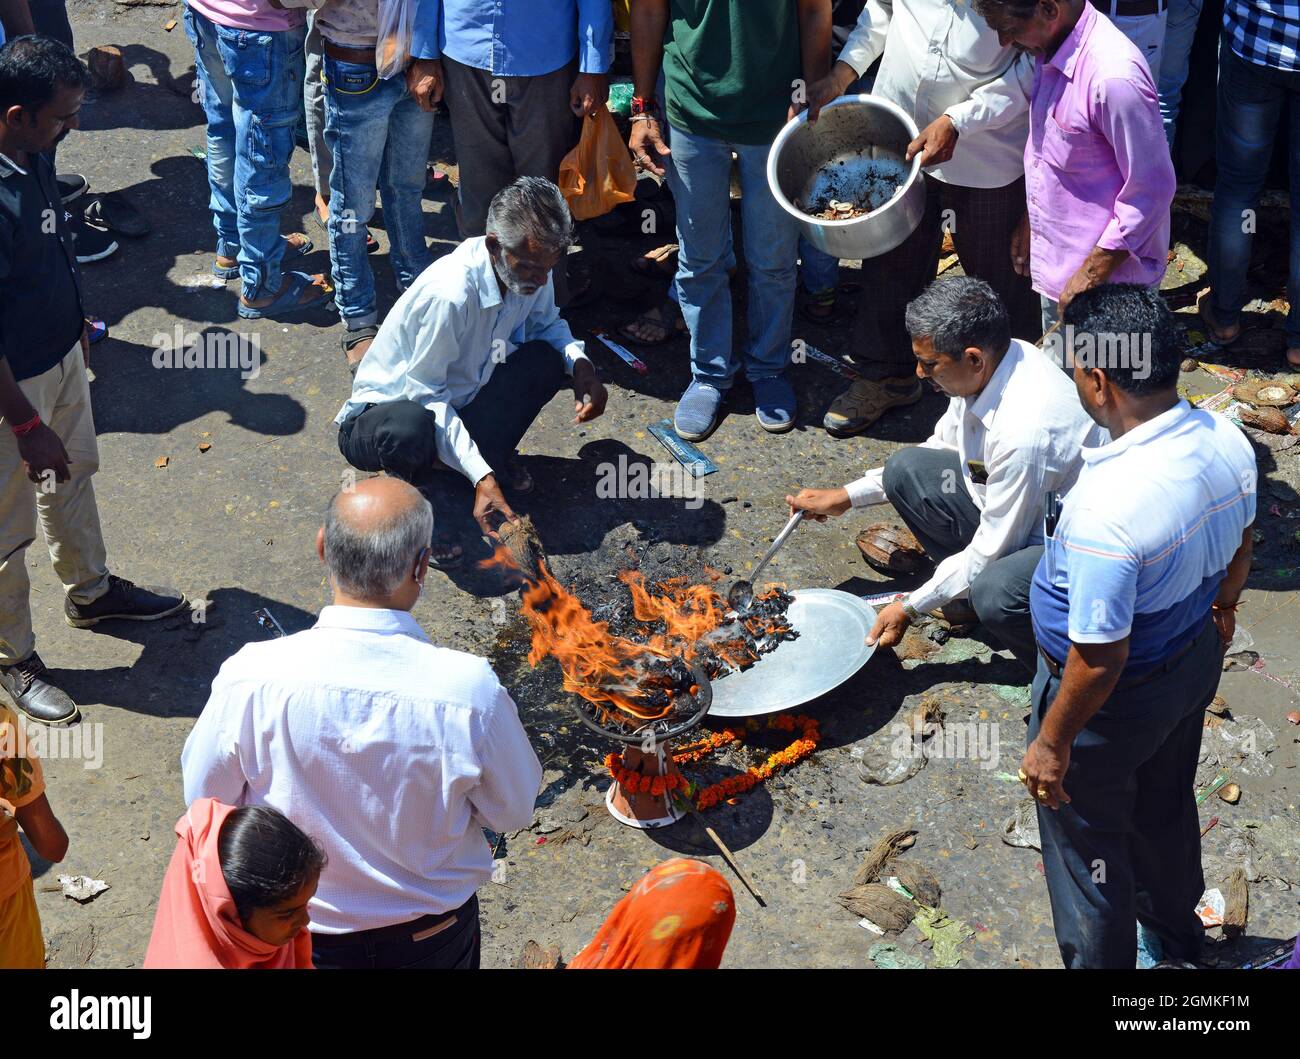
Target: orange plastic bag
pixel 598 174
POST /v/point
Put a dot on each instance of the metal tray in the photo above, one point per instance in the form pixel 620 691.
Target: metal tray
pixel 832 646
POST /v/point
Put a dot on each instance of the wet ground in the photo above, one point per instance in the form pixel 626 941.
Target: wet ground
pixel 231 515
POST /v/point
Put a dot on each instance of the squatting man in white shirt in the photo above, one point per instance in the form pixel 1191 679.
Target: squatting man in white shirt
pixel 467 359
pixel 390 752
pixel 973 493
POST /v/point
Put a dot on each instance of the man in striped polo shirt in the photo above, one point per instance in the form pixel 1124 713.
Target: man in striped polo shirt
pixel 1136 590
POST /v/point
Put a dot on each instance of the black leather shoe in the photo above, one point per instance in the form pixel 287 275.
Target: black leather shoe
pixel 34 695
pixel 127 601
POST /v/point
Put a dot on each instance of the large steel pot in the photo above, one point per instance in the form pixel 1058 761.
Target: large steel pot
pixel 854 149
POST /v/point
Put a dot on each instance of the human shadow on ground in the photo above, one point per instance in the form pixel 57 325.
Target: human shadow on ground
pixel 573 513
pixel 181 377
pixel 179 655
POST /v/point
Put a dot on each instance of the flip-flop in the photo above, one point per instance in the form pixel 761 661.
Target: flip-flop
pixel 441 557
pixel 350 339
pixel 286 300
pixel 372 244
pixel 654 267
pixel 674 326
pixel 232 271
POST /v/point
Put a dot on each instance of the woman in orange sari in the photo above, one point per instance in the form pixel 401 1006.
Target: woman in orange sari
pixel 678 916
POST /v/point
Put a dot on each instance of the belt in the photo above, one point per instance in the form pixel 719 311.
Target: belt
pixel 414 930
pixel 1056 669
pixel 1130 8
pixel 360 56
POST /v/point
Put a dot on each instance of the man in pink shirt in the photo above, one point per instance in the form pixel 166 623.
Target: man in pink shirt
pixel 1099 190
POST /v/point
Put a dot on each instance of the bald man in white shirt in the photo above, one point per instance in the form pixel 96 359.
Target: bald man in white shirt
pixel 467 359
pixel 392 753
pixel 973 493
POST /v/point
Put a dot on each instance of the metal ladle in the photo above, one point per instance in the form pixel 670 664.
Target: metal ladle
pixel 741 594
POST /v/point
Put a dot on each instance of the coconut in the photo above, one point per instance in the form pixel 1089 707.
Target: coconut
pixel 891 549
pixel 919 881
pixel 893 843
pixel 1264 393
pixel 1270 420
pixel 890 911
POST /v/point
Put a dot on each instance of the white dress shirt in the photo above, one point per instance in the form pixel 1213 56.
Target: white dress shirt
pixel 441 342
pixel 940 57
pixel 1023 434
pixel 390 752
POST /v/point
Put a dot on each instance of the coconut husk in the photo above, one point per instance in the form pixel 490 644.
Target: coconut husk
pixel 107 71
pixel 891 549
pixel 1264 393
pixel 536 958
pixel 1236 904
pixel 1269 420
pixel 890 911
pixel 919 881
pixel 525 546
pixel 1218 706
pixel 928 712
pixel 880 854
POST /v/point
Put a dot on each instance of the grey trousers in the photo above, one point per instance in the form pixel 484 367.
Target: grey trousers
pixel 313 98
pixel 507 127
pixel 944 522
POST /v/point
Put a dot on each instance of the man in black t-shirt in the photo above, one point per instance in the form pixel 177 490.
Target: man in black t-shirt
pixel 48 451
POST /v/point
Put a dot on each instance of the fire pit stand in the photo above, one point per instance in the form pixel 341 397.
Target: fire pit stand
pixel 645 750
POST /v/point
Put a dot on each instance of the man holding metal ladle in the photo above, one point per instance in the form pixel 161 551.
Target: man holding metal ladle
pixel 972 494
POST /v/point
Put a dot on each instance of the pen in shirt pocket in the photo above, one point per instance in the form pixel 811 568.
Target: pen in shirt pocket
pixel 1051 513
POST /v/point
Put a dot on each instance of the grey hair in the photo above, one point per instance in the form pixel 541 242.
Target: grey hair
pixel 372 564
pixel 958 313
pixel 531 208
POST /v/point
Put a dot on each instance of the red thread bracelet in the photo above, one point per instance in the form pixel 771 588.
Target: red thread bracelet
pixel 23 429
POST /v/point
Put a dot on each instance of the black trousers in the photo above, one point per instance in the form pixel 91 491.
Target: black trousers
pixel 982 221
pixel 1127 847
pixel 399 437
pixel 449 942
pixel 925 486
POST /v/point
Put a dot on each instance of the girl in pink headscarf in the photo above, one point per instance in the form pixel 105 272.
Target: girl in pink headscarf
pixel 236 891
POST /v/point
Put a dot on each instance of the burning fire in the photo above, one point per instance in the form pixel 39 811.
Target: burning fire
pixel 681 624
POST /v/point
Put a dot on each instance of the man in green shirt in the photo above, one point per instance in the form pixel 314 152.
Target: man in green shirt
pixel 732 70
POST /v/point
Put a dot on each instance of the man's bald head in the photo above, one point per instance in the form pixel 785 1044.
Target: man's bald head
pixel 374 533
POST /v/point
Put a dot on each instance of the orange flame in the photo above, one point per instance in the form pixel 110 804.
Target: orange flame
pixel 610 671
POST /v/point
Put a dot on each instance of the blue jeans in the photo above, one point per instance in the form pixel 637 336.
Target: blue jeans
pixel 1249 111
pixel 700 178
pixel 251 85
pixel 818 271
pixel 1180 31
pixel 379 137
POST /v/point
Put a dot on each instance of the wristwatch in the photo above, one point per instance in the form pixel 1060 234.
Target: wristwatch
pixel 913 615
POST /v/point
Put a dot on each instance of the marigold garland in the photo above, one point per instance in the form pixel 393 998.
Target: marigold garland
pixel 707 797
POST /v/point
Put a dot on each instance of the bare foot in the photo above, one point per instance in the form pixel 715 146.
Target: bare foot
pixel 1222 335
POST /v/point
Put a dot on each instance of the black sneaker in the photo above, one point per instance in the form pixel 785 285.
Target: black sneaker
pixel 93 244
pixel 127 601
pixel 35 696
pixel 71 186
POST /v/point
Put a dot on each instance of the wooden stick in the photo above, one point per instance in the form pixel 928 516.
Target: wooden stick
pixel 729 857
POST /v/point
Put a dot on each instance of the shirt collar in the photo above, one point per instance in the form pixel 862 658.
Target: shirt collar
pixel 9 166
pixel 1139 435
pixel 987 400
pixel 1068 53
pixel 485 277
pixel 370 619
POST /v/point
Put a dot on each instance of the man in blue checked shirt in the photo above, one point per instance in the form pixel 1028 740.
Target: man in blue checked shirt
pixel 519 73
pixel 1133 604
pixel 1259 80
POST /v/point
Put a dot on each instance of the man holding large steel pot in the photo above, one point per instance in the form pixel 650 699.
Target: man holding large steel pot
pixel 969 95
